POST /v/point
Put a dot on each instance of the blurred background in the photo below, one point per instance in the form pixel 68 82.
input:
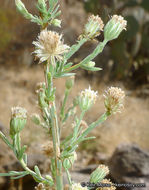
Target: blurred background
pixel 123 141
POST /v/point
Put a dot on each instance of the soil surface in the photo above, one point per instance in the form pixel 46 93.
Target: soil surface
pixel 18 85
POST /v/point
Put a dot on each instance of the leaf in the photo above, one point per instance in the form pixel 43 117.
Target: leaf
pixel 25 158
pixel 91 68
pixel 64 75
pixel 4 138
pixel 68 65
pixel 37 171
pixel 88 138
pixel 18 177
pixel 21 152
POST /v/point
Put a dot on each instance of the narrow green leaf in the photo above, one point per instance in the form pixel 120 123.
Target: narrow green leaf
pixel 64 75
pixel 37 171
pixel 91 68
pixel 25 158
pixel 68 65
pixel 4 138
pixel 18 177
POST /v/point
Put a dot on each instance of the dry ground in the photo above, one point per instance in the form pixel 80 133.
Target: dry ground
pixel 17 89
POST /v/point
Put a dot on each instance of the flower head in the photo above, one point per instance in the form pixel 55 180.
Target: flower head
pixel 49 46
pixel 114 27
pixel 114 98
pixel 18 120
pixel 87 98
pixel 93 26
pixel 77 186
pixel 40 186
pixel 48 149
pixel 99 174
pixel 68 162
pixel 18 112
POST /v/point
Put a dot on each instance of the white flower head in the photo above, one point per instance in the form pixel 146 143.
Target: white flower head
pixel 114 27
pixel 77 186
pixel 49 46
pixel 18 112
pixel 120 20
pixel 87 98
pixel 114 98
pixel 93 26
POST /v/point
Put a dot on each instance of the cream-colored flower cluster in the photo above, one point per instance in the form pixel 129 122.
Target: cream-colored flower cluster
pixel 90 94
pixel 93 26
pixel 120 19
pixel 87 98
pixel 114 98
pixel 18 112
pixel 49 46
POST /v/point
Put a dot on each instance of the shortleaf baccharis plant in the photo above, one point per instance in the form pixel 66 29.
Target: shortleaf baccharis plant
pixel 54 55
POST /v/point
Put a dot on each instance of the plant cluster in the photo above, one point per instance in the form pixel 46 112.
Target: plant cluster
pixel 54 55
pixel 130 51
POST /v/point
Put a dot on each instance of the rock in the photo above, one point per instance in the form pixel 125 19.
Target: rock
pixel 130 164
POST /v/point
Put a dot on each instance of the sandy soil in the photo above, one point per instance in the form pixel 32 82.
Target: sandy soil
pixel 17 88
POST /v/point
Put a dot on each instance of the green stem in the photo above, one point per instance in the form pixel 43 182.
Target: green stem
pixel 75 48
pixel 69 178
pixel 52 115
pixel 27 169
pixel 91 127
pixel 4 138
pixel 90 57
pixel 62 113
pixel 76 129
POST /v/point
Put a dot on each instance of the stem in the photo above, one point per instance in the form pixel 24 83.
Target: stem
pixel 62 114
pixel 91 127
pixel 90 57
pixel 56 143
pixel 69 177
pixel 26 168
pixel 52 115
pixel 77 127
pixel 75 48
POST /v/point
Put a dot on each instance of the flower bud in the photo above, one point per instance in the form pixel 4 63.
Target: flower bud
pixel 99 174
pixel 57 22
pixel 114 27
pixel 114 98
pixel 36 119
pixel 93 26
pixel 40 186
pixel 87 98
pixel 70 82
pixel 48 149
pixel 21 8
pixel 40 86
pixel 49 178
pixel 42 99
pixel 68 162
pixel 90 64
pixel 18 120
